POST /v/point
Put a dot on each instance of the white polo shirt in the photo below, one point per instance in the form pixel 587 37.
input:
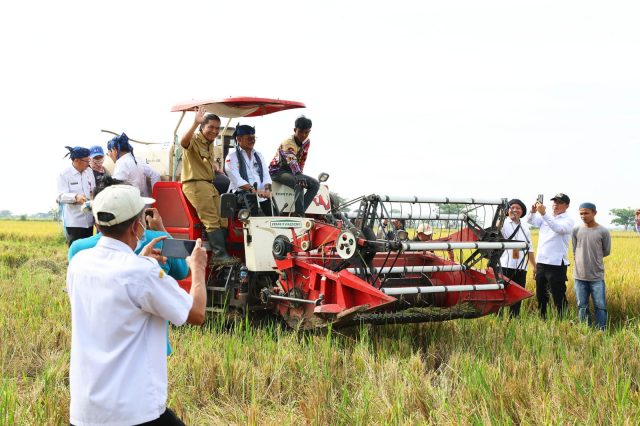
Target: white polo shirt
pixel 71 182
pixel 232 168
pixel 553 240
pixel 507 259
pixel 119 305
pixel 127 170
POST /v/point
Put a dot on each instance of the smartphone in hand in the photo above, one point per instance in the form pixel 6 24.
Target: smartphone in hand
pixel 540 199
pixel 177 248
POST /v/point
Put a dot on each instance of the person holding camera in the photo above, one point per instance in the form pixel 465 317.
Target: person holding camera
pixel 514 262
pixel 198 173
pixel 120 303
pixel 288 164
pixel 248 172
pixel 552 254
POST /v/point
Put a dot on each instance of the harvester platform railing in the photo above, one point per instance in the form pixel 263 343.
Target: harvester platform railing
pixel 397 291
pixel 414 269
pixel 434 200
pixel 428 245
pixel 418 216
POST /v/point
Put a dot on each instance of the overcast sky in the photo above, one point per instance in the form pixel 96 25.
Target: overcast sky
pixel 496 99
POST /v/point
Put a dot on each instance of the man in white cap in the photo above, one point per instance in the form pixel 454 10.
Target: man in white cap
pixel 119 304
pixel 424 232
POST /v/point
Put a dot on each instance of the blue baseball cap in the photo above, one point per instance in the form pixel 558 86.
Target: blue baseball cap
pixel 95 151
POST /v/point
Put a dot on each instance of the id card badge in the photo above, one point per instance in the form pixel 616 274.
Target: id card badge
pixel 515 254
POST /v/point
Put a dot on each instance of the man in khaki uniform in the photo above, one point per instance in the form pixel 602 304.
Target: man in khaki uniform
pixel 198 172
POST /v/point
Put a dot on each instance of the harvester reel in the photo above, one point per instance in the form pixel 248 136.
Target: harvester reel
pixel 346 245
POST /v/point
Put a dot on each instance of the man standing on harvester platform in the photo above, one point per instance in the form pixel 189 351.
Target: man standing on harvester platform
pixel 198 173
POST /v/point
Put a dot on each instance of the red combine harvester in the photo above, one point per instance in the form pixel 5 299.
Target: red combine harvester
pixel 329 267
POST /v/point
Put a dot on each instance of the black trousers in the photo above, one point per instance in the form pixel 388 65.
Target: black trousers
pixel 74 233
pixel 168 418
pixel 518 276
pixel 250 201
pixel 551 279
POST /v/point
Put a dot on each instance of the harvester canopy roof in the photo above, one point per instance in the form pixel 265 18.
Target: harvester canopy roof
pixel 239 106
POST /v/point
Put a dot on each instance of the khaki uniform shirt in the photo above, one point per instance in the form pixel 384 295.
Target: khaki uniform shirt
pixel 197 160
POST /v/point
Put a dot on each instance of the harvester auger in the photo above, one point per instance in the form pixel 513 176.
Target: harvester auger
pixel 337 272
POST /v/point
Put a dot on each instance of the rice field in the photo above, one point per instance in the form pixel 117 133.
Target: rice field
pixel 491 370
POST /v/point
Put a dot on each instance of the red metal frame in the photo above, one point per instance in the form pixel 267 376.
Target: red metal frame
pixel 345 292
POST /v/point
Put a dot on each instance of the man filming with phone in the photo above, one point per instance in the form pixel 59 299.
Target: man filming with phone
pixel 552 253
pixel 119 304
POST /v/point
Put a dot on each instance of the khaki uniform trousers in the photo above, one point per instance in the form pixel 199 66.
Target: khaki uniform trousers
pixel 205 199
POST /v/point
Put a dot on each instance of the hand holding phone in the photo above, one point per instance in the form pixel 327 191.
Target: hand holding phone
pixel 177 248
pixel 540 199
pixel 150 251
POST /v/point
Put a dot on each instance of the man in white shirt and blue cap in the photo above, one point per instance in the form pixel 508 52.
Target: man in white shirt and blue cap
pixel 553 252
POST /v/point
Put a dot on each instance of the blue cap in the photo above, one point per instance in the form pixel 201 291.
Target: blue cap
pixel 96 151
pixel 588 206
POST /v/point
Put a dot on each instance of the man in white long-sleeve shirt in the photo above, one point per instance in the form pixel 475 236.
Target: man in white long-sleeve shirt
pixel 552 254
pixel 74 188
pixel 248 172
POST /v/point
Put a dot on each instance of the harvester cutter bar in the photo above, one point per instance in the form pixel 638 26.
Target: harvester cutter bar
pixel 407 317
